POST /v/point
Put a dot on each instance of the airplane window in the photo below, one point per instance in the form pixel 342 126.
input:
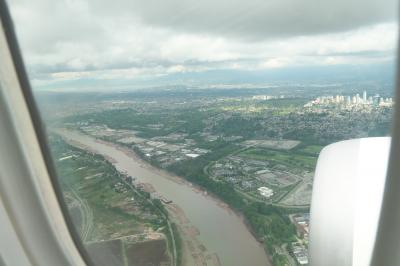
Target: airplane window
pixel 187 132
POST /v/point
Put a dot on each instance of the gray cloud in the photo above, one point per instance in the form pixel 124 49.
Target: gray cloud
pixel 255 19
pixel 129 39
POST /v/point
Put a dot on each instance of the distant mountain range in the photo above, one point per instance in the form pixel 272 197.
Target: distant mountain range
pixel 382 74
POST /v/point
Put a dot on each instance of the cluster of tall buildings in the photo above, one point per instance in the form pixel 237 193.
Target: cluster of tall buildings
pixel 352 100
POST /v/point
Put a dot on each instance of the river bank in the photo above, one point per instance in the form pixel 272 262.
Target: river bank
pixel 213 234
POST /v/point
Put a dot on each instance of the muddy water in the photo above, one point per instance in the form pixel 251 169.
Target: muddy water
pixel 221 231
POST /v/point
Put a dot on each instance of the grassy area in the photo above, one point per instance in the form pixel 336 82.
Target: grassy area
pixel 280 260
pixel 289 158
pixel 186 121
pixel 313 150
pixel 178 243
pixel 91 179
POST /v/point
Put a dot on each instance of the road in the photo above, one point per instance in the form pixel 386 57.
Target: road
pixel 87 216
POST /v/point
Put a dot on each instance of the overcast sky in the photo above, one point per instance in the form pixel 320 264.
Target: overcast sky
pixel 136 39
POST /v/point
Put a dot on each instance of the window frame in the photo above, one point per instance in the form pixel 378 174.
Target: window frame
pixel 73 248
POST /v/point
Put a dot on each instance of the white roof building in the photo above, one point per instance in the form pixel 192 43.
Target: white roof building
pixel 192 155
pixel 265 192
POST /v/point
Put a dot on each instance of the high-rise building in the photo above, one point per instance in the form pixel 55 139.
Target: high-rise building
pixel 365 97
pixel 375 99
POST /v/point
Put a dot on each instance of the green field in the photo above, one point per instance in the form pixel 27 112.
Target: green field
pixel 90 179
pixel 311 149
pixel 289 158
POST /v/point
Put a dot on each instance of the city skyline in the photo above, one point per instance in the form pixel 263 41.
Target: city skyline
pixel 352 100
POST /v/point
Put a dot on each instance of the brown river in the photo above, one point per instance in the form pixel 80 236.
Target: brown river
pixel 210 226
